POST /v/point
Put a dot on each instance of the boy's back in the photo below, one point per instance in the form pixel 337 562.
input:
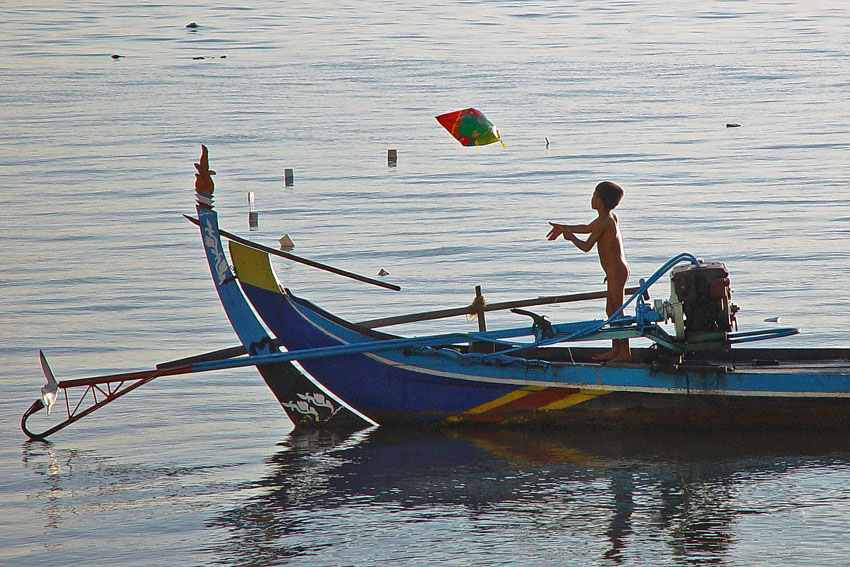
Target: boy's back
pixel 610 248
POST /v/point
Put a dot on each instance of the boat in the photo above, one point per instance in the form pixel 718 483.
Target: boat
pixel 699 381
pixel 349 374
pixel 695 378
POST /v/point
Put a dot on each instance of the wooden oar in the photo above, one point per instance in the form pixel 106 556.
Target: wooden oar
pixel 229 352
pixel 300 260
pixel 457 311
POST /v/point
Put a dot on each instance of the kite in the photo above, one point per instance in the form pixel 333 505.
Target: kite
pixel 470 127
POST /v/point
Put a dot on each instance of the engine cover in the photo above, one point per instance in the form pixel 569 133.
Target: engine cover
pixel 705 296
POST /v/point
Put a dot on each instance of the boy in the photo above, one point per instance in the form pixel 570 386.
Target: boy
pixel 604 233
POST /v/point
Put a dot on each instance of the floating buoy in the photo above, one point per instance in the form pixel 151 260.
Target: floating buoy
pixel 732 125
pixel 116 56
pixel 286 243
pixel 288 178
pixel 383 272
pixel 192 25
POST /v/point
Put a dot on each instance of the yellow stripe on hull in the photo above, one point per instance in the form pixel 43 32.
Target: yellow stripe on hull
pixel 506 399
pixel 575 399
pixel 571 400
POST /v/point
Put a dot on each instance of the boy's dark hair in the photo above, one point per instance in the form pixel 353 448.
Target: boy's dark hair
pixel 610 193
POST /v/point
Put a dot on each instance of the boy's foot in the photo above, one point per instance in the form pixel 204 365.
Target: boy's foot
pixel 606 356
pixel 614 355
pixel 622 356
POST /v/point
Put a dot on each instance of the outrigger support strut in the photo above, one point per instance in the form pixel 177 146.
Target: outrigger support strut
pixel 109 390
pixel 100 390
pixel 97 392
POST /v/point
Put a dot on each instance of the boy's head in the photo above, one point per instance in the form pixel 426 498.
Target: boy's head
pixel 609 193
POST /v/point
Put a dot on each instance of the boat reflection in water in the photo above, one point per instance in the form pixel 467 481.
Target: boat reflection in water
pixel 498 497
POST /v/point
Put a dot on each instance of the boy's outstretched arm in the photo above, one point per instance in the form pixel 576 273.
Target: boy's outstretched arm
pixel 583 245
pixel 598 229
pixel 577 228
pixel 561 229
pixel 580 228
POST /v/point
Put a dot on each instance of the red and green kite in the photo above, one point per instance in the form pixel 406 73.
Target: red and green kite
pixel 470 127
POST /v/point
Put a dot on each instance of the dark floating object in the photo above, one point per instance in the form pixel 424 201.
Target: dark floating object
pixel 116 56
pixel 383 272
pixel 732 125
pixel 197 58
pixel 192 25
pixel 392 158
pixel 547 142
pixel 223 57
pixel 288 177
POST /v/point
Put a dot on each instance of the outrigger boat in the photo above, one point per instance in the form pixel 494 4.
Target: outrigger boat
pixel 351 374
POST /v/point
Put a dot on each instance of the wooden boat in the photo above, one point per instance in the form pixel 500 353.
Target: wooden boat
pixel 702 383
pixel 357 375
pixel 695 378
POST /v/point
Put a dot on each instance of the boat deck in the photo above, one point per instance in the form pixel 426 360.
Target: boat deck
pixel 766 360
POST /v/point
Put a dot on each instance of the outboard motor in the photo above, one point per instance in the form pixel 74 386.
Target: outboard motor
pixel 700 304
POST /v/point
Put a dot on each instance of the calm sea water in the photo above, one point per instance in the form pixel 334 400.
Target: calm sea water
pixel 100 269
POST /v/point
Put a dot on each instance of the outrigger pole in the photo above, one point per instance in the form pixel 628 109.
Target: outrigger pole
pixel 100 390
pixel 299 259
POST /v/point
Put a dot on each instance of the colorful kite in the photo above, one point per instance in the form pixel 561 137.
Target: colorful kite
pixel 470 127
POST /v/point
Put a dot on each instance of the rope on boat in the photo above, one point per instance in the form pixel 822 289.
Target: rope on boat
pixel 476 307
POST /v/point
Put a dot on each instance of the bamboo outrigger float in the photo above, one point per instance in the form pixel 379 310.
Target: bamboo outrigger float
pixel 356 375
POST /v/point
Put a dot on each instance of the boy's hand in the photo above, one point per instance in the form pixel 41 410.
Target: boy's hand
pixel 557 230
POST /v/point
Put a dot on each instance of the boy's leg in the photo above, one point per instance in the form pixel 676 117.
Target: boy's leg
pixel 620 349
pixel 612 303
pixel 616 297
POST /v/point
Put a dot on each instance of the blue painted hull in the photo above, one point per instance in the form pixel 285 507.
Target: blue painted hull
pixel 406 394
pixel 303 401
pixel 418 385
